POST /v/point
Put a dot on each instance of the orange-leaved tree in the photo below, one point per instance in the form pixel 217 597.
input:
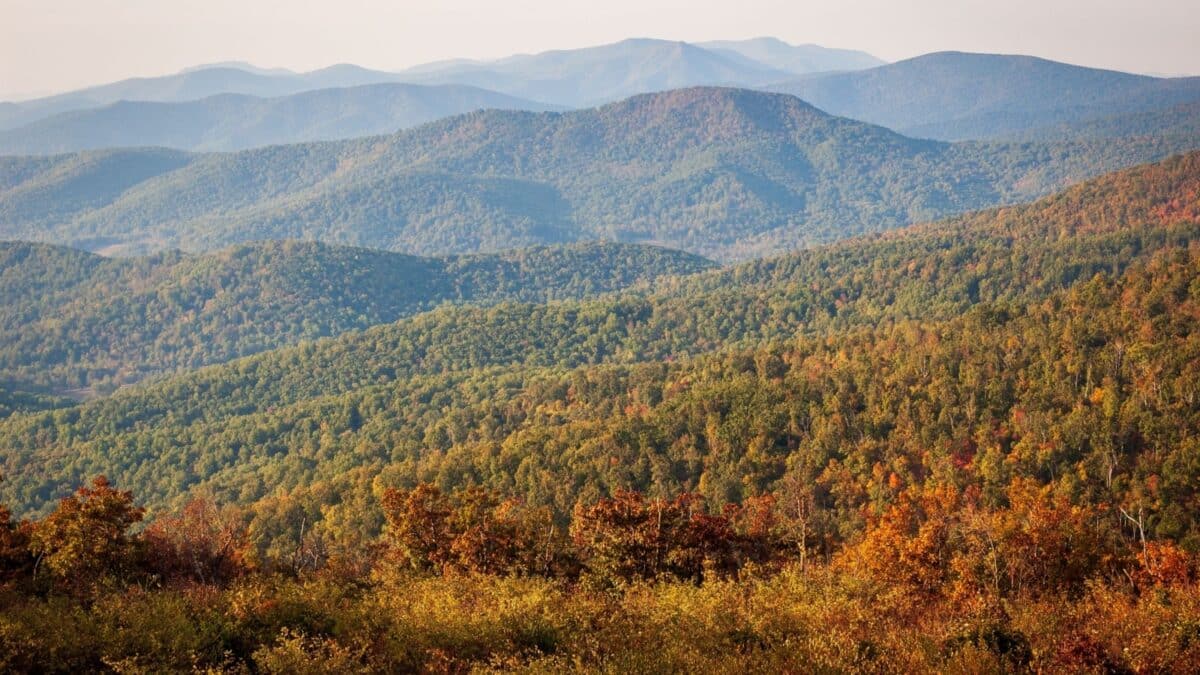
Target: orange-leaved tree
pixel 85 541
pixel 202 543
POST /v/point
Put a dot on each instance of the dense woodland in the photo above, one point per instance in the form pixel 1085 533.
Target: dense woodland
pixel 966 446
pixel 726 173
pixel 91 322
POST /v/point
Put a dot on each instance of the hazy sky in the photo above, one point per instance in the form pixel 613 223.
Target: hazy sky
pixel 54 45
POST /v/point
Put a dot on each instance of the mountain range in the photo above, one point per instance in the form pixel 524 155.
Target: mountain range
pixel 238 121
pixel 190 85
pixel 569 78
pixel 725 173
pixel 946 96
pixel 597 75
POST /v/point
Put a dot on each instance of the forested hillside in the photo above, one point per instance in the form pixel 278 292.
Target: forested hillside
pixel 1176 120
pixel 740 356
pixel 73 319
pixel 538 398
pixel 964 446
pixel 723 172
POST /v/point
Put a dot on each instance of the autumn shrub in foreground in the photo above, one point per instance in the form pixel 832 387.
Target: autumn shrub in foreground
pixel 471 581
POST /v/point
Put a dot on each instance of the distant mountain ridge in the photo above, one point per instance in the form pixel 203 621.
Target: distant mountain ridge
pixel 190 85
pixel 1174 121
pixel 236 121
pixel 725 173
pixel 957 95
pixel 571 78
pixel 796 58
pixel 596 75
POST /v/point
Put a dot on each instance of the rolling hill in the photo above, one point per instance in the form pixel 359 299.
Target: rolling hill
pixel 725 173
pixel 956 96
pixel 71 319
pixel 1027 309
pixel 235 121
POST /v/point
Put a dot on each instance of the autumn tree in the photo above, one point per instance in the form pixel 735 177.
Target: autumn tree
pixel 629 537
pixel 202 543
pixel 912 543
pixel 1041 542
pixel 473 530
pixel 418 530
pixel 86 540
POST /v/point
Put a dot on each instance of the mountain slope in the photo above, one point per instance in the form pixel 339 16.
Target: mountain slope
pixel 797 59
pixel 954 95
pixel 235 122
pixel 72 319
pixel 722 172
pixel 467 394
pixel 1181 120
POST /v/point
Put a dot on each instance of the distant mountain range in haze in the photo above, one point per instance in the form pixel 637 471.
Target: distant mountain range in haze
pixel 795 58
pixel 596 75
pixel 574 78
pixel 951 96
pixel 239 121
pixel 190 85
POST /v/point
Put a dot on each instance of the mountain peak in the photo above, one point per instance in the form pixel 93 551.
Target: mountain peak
pixel 716 111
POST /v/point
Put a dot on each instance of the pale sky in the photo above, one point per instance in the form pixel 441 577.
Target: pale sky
pixel 56 45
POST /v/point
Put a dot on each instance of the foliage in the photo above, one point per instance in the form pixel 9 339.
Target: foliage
pixel 970 446
pixel 841 617
pixel 473 531
pixel 626 537
pixel 85 542
pixel 80 322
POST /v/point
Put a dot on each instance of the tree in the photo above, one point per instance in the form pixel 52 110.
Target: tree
pixel 418 530
pixel 201 543
pixel 629 537
pixel 472 530
pixel 85 541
